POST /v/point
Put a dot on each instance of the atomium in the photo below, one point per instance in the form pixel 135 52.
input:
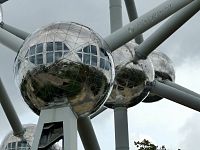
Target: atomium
pixel 65 64
pixel 130 81
pixel 164 70
pixel 12 142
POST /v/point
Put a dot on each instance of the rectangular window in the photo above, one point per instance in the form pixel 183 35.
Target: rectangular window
pixel 107 65
pixel 39 59
pixel 80 56
pixel 102 63
pixel 49 57
pixel 49 46
pixel 58 55
pixel 40 48
pixel 86 49
pixel 58 46
pixel 32 50
pixel 94 61
pixel 32 59
pixel 86 59
pixel 93 50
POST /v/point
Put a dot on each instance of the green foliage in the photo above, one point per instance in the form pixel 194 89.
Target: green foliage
pixel 145 145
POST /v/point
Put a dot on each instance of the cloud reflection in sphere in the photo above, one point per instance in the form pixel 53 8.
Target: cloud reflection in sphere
pixel 130 80
pixel 65 64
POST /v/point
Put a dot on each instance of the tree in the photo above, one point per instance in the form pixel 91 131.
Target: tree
pixel 147 145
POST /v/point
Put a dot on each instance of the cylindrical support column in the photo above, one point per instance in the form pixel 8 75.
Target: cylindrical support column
pixel 10 40
pixel 178 87
pixel 87 134
pixel 10 112
pixel 132 14
pixel 167 29
pixel 17 32
pixel 143 23
pixel 115 15
pixel 121 128
pixel 173 94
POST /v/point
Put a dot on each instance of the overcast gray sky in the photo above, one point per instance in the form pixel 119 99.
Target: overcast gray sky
pixel 163 122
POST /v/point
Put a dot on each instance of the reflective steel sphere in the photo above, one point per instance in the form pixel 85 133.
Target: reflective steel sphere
pixel 164 70
pixel 130 80
pixel 65 64
pixel 11 142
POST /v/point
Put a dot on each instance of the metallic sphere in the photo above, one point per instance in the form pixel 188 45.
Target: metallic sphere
pixel 12 142
pixel 130 81
pixel 164 70
pixel 65 64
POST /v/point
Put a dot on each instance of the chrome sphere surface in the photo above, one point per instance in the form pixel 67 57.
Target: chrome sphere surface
pixel 130 80
pixel 164 70
pixel 11 142
pixel 65 64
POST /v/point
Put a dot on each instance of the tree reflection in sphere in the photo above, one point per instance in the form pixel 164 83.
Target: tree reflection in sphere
pixel 65 64
pixel 130 80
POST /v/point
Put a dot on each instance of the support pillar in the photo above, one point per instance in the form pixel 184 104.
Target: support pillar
pixel 121 128
pixel 62 114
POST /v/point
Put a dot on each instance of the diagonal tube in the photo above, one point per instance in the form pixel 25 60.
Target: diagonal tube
pixel 132 14
pixel 167 29
pixel 178 87
pixel 87 134
pixel 17 32
pixel 10 112
pixel 143 23
pixel 9 40
pixel 175 95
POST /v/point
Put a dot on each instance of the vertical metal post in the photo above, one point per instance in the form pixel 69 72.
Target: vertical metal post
pixel 121 128
pixel 132 14
pixel 10 40
pixel 167 29
pixel 115 15
pixel 9 110
pixel 143 23
pixel 87 134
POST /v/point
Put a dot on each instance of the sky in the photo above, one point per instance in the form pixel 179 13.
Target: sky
pixel 164 122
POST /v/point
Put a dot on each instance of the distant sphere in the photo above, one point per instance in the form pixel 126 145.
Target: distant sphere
pixel 130 80
pixel 65 64
pixel 12 142
pixel 164 70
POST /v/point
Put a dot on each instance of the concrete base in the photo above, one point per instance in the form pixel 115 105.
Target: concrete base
pixel 63 114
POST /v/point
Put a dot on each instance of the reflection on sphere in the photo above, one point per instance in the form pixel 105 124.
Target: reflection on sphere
pixel 130 80
pixel 164 70
pixel 65 64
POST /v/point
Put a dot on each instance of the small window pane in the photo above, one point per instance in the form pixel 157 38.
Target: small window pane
pixel 40 48
pixel 65 47
pixel 58 55
pixel 93 50
pixel 32 59
pixel 94 61
pixel 80 55
pixel 32 50
pixel 39 59
pixel 102 53
pixel 58 46
pixel 49 46
pixel 102 63
pixel 49 57
pixel 86 59
pixel 80 51
pixel 87 49
pixel 107 65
